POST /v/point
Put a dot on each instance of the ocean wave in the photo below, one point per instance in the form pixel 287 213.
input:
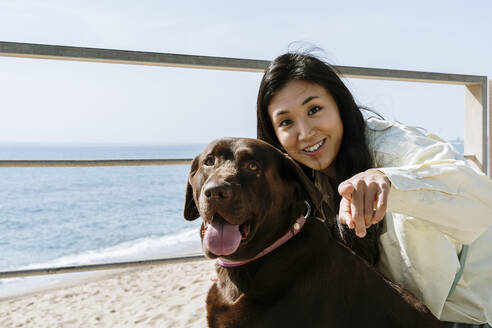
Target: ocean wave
pixel 154 247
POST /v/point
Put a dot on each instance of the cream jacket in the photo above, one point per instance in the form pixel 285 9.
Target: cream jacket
pixel 436 204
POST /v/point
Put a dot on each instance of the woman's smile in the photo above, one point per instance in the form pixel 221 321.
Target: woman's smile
pixel 315 149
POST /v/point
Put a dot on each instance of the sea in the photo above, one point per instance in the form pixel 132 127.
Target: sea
pixel 68 216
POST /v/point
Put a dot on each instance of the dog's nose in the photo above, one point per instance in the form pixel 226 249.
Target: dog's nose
pixel 214 190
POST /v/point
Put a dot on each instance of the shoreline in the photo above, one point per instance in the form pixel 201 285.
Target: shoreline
pixel 166 295
pixel 21 286
pixel 58 281
pixel 54 281
pixel 10 287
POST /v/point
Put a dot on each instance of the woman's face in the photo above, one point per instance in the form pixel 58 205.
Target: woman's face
pixel 307 123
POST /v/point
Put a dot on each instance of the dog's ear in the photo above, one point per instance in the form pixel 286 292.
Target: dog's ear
pixel 190 209
pixel 308 190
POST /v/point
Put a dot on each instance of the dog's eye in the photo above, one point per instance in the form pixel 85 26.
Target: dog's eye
pixel 253 166
pixel 209 161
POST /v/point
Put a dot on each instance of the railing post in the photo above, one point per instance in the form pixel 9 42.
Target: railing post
pixel 475 125
pixel 490 130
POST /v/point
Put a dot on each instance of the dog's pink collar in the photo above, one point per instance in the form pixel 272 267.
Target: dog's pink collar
pixel 296 227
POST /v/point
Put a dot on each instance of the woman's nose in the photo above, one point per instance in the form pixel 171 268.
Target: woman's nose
pixel 306 130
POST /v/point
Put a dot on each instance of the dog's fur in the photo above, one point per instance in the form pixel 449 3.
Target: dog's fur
pixel 313 280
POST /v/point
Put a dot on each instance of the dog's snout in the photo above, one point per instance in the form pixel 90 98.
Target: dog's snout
pixel 218 191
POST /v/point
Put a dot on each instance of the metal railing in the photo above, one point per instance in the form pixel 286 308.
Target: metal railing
pixel 98 267
pixel 476 141
pixel 86 163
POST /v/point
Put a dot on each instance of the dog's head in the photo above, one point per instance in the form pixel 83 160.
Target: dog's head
pixel 248 194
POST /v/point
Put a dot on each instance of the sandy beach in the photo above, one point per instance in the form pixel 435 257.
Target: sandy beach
pixel 167 295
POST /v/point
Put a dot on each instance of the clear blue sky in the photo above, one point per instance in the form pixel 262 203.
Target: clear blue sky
pixel 58 101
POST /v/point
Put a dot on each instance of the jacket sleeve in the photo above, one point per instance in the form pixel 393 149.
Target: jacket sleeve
pixel 431 181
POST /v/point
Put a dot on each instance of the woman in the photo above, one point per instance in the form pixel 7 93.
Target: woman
pixel 436 207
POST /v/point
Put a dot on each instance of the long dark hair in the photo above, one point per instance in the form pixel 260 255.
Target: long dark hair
pixel 354 155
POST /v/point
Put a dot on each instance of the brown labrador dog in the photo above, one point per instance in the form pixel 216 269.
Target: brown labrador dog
pixel 275 267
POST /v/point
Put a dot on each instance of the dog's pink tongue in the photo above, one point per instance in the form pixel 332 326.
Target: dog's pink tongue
pixel 222 238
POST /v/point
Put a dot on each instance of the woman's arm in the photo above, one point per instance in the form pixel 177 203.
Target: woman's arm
pixel 449 195
pixel 429 181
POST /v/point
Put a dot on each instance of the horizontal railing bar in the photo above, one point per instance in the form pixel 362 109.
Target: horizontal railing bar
pixel 97 267
pixel 86 163
pixel 409 76
pixel 41 51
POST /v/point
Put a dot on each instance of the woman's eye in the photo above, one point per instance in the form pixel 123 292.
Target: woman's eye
pixel 314 110
pixel 253 166
pixel 285 123
pixel 209 161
